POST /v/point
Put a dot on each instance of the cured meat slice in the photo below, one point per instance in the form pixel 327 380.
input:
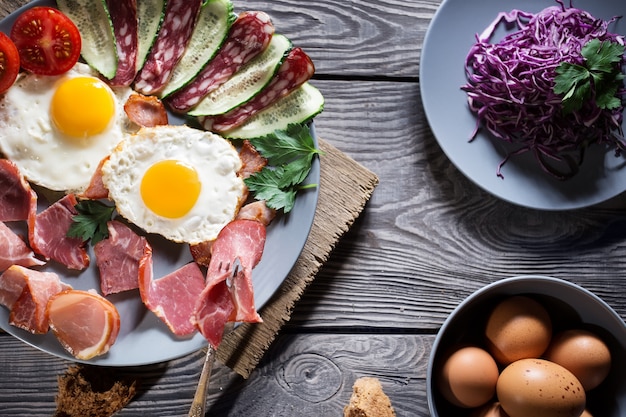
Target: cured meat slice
pixel 125 26
pixel 85 323
pixel 117 258
pixel 25 292
pixel 249 35
pixel 96 189
pixel 48 235
pixel 17 199
pixel 146 111
pixel 169 46
pixel 251 160
pixel 296 69
pixel 13 250
pixel 201 252
pixel 257 211
pixel 171 298
pixel 225 300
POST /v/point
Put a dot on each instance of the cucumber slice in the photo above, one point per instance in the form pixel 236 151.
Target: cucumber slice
pixel 92 19
pixel 247 82
pixel 298 107
pixel 214 21
pixel 149 17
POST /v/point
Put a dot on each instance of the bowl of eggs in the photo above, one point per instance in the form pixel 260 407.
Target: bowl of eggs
pixel 529 346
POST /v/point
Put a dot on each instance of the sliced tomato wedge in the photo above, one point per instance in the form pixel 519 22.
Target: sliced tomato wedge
pixel 9 63
pixel 47 40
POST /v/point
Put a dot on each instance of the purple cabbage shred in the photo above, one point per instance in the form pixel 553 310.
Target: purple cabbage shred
pixel 510 88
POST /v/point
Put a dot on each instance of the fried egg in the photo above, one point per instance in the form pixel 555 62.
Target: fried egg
pixel 57 129
pixel 176 181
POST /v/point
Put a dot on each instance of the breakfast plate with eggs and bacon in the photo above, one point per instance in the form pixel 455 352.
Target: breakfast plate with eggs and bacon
pixel 77 142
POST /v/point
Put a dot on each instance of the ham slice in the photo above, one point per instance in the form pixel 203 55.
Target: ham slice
pixel 13 250
pixel 224 300
pixel 17 199
pixel 85 323
pixel 25 292
pixel 48 235
pixel 171 298
pixel 117 258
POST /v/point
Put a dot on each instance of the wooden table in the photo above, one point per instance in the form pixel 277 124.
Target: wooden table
pixel 427 239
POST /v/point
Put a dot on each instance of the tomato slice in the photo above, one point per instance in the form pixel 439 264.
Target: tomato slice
pixel 47 40
pixel 9 62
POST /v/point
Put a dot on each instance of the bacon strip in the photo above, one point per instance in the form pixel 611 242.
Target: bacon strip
pixel 176 29
pixel 125 25
pixel 296 69
pixel 219 302
pixel 96 189
pixel 117 258
pixel 17 199
pixel 171 298
pixel 26 293
pixel 249 35
pixel 48 235
pixel 14 251
pixel 146 111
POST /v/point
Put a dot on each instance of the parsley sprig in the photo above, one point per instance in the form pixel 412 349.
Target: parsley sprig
pixel 598 79
pixel 289 154
pixel 91 221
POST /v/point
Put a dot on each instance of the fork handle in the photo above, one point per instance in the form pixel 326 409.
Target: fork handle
pixel 198 406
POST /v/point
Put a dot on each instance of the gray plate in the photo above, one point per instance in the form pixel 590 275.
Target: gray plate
pixel 448 40
pixel 143 338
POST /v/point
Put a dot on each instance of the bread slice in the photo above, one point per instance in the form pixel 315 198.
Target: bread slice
pixel 368 400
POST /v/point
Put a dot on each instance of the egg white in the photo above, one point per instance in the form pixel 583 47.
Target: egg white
pixel 44 155
pixel 214 158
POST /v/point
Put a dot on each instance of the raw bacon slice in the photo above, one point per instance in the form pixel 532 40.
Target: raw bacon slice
pixel 17 199
pixel 171 298
pixel 85 323
pixel 222 301
pixel 13 250
pixel 293 72
pixel 25 292
pixel 117 258
pixel 125 26
pixel 169 46
pixel 48 235
pixel 146 111
pixel 249 35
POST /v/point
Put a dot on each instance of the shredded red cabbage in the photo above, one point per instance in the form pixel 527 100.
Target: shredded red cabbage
pixel 510 87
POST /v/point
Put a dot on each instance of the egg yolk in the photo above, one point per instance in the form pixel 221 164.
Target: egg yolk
pixel 82 107
pixel 170 188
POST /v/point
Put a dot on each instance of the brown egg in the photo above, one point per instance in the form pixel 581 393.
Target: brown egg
pixel 584 354
pixel 537 387
pixel 518 327
pixel 468 377
pixel 490 410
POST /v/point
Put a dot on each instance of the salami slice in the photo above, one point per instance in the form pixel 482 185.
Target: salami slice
pixel 124 19
pixel 249 35
pixel 293 72
pixel 169 46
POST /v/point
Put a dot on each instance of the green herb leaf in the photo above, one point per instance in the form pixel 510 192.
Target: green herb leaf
pixel 91 221
pixel 600 74
pixel 289 154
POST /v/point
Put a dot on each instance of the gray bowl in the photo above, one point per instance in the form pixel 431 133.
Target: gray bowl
pixel 569 305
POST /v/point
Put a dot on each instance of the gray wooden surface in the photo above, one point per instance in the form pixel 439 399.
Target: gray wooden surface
pixel 427 239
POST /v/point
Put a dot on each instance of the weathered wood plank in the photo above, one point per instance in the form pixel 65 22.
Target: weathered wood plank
pixel 303 374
